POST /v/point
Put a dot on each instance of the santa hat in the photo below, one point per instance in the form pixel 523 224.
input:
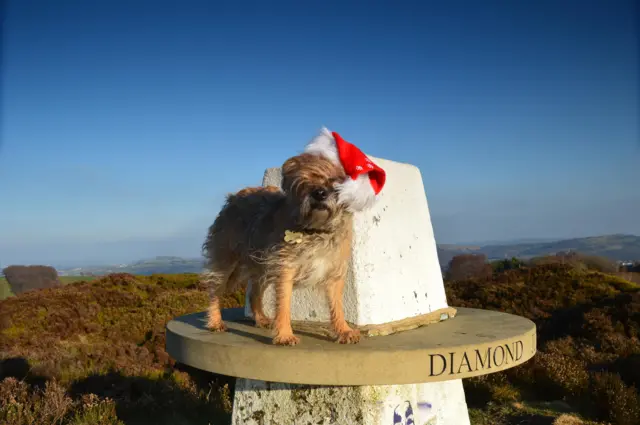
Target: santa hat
pixel 364 178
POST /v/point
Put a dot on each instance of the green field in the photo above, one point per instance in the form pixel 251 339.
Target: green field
pixel 5 289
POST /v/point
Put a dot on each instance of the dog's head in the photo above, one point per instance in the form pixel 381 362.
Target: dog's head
pixel 310 184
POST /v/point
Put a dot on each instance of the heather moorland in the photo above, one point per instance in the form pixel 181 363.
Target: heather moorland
pixel 92 352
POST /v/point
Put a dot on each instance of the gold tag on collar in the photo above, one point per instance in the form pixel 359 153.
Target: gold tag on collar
pixel 292 237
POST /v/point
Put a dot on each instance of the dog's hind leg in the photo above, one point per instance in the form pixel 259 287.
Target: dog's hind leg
pixel 257 293
pixel 217 282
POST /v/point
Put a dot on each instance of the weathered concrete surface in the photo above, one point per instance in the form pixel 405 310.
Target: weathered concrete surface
pixel 262 403
pixel 475 342
pixel 394 271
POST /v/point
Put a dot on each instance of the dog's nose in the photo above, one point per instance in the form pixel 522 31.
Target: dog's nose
pixel 319 194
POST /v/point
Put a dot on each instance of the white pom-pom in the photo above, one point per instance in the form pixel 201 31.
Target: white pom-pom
pixel 357 194
pixel 324 145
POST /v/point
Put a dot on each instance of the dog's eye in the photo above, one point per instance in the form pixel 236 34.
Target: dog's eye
pixel 319 194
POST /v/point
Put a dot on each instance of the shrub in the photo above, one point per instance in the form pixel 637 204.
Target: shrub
pixel 588 326
pixel 102 343
pixel 26 278
pixel 558 375
pixel 107 338
pixel 500 266
pixel 19 404
pixel 567 420
pixel 599 264
pixel 468 266
pixel 579 261
pixel 614 401
pixel 22 404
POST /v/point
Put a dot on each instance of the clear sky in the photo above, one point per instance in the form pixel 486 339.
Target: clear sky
pixel 125 123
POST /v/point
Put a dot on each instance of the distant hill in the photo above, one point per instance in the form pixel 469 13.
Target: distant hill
pixel 447 252
pixel 160 264
pixel 615 247
pixel 510 241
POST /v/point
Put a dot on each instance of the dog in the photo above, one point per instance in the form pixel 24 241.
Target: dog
pixel 294 236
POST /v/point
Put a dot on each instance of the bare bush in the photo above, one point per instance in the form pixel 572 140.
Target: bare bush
pixel 468 266
pixel 26 278
pixel 578 260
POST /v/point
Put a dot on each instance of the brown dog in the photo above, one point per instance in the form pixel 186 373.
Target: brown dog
pixel 298 236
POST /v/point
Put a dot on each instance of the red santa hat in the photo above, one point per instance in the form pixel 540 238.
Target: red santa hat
pixel 364 178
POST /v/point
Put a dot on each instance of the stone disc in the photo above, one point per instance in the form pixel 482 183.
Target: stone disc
pixel 475 342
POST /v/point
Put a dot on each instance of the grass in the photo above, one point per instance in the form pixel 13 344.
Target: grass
pixel 5 289
pixel 93 352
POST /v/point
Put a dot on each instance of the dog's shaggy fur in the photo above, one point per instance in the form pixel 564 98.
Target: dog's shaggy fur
pixel 247 242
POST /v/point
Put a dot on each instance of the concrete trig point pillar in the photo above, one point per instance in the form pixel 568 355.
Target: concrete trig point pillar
pixel 403 373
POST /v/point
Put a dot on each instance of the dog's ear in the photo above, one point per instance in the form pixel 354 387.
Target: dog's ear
pixel 290 165
pixel 289 169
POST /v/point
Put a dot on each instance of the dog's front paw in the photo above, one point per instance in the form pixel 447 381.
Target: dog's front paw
pixel 352 336
pixel 217 327
pixel 286 339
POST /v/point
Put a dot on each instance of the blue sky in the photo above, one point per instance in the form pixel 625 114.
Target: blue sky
pixel 124 125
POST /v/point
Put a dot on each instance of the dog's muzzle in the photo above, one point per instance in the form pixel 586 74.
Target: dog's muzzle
pixel 319 206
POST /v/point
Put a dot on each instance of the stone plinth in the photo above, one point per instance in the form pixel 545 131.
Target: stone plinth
pixel 412 377
pixel 281 404
pixel 335 384
pixel 476 342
